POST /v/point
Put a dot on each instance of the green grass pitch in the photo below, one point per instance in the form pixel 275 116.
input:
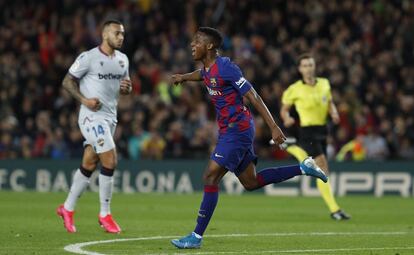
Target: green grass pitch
pixel 272 225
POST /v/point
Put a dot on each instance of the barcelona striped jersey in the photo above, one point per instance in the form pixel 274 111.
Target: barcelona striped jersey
pixel 227 86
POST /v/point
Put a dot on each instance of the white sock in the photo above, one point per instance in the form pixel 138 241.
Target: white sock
pixel 80 182
pixel 105 193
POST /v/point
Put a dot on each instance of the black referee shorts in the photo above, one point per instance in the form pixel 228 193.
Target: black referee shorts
pixel 313 140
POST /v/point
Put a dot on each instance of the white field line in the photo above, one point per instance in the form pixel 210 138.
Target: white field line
pixel 296 251
pixel 77 248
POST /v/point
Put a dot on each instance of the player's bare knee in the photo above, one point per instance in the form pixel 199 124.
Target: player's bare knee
pixel 89 166
pixel 210 179
pixel 90 160
pixel 109 165
pixel 109 160
pixel 250 185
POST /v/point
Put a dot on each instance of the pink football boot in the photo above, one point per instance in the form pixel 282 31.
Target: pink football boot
pixel 109 224
pixel 67 217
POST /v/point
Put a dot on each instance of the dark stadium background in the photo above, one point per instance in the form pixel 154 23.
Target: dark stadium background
pixel 365 48
pixel 165 133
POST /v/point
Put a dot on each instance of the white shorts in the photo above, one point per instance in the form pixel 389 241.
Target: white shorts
pixel 98 132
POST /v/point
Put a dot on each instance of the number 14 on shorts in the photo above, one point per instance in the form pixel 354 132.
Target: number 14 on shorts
pixel 98 130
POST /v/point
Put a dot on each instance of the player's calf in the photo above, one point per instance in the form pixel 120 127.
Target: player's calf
pixel 213 173
pixel 252 181
pixel 270 175
pixel 251 185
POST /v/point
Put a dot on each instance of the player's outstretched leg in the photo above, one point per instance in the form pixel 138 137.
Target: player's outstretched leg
pixel 280 174
pixel 251 181
pixel 212 177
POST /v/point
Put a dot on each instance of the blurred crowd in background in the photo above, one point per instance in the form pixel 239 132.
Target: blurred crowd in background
pixel 365 48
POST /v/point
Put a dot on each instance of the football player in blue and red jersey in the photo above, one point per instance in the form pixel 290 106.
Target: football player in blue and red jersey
pixel 234 150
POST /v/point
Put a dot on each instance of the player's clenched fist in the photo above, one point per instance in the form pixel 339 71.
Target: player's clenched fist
pixel 125 87
pixel 92 103
pixel 278 136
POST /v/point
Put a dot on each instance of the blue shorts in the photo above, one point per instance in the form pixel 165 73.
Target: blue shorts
pixel 235 152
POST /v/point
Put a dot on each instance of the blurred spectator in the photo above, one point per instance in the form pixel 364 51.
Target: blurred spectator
pixel 136 141
pixel 375 146
pixel 356 149
pixel 177 143
pixel 58 147
pixel 365 48
pixel 407 149
pixel 153 147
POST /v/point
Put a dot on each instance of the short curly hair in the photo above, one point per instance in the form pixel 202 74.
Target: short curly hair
pixel 215 35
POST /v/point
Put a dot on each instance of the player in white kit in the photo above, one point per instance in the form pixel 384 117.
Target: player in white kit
pixel 96 79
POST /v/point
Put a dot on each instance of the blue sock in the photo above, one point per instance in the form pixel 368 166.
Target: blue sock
pixel 277 174
pixel 207 207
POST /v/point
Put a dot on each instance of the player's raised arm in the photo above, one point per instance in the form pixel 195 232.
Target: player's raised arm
pixel 180 78
pixel 259 105
pixel 70 84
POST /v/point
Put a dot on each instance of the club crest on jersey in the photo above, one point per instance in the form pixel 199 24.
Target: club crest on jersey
pixel 324 99
pixel 213 82
pixel 101 63
pixel 121 63
pixel 101 142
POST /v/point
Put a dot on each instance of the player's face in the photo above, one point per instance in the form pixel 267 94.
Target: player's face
pixel 199 46
pixel 114 35
pixel 307 67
